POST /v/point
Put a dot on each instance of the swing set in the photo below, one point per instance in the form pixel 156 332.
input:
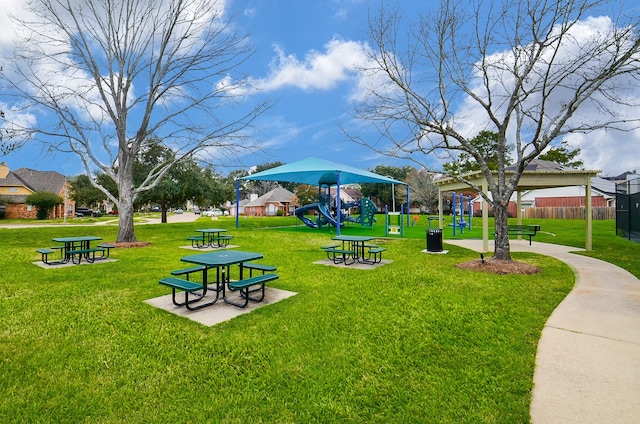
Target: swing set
pixel 458 210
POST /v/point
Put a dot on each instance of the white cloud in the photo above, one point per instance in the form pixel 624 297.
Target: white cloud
pixel 608 150
pixel 339 62
pixel 612 152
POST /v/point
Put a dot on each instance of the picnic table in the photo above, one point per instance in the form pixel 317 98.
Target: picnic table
pixel 78 247
pixel 353 249
pixel 221 261
pixel 210 237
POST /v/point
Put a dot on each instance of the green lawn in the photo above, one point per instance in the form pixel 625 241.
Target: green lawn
pixel 417 340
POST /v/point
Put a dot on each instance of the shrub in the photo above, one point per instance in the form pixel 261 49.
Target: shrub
pixel 44 203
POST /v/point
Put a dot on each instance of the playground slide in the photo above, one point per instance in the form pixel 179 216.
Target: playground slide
pixel 325 215
pixel 304 209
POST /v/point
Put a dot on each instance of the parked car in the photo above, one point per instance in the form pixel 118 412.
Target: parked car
pixel 213 212
pixel 156 209
pixel 82 212
pixel 178 211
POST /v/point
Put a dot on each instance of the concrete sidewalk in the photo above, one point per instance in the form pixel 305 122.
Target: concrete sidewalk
pixel 588 360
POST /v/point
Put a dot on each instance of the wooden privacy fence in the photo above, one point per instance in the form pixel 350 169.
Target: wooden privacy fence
pixel 578 212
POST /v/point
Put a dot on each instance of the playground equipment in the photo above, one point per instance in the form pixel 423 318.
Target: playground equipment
pixel 458 212
pixel 396 228
pixel 323 214
pixel 368 211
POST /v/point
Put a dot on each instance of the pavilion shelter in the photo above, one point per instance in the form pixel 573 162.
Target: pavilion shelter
pixel 537 175
pixel 314 171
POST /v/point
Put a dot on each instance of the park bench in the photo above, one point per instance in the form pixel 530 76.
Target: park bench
pixel 246 284
pixel 89 254
pixel 523 230
pixel 188 287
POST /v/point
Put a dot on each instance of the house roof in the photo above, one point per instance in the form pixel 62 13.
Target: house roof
pixel 349 192
pixel 316 171
pixel 35 181
pixel 277 195
pixel 625 176
pixel 50 181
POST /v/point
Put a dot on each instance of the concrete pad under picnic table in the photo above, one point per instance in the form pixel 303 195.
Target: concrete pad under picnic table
pixel 355 265
pixel 68 264
pixel 220 311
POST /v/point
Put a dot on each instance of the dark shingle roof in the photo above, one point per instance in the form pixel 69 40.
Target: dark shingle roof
pixel 50 181
pixel 279 194
pixel 36 181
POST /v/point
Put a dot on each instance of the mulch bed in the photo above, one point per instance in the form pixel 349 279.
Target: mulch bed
pixel 130 244
pixel 497 266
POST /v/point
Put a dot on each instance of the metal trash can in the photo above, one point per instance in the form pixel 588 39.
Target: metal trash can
pixel 434 240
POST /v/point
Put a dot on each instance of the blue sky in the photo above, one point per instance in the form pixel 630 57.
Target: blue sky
pixel 305 63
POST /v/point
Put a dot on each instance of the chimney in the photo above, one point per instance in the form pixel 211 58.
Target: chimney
pixel 4 170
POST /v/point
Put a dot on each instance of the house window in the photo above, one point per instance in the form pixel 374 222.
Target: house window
pixel 13 189
pixel 29 208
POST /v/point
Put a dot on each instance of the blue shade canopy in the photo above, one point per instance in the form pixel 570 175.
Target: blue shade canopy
pixel 314 171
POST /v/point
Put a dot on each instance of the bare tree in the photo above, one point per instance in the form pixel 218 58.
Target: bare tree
pixel 423 191
pixel 111 74
pixel 530 71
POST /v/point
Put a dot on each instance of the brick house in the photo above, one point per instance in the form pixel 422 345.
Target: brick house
pixel 278 199
pixel 16 185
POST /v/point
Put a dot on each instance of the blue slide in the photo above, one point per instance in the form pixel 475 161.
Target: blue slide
pixel 324 215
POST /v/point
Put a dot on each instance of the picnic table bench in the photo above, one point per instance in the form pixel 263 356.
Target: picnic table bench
pixel 196 241
pixel 188 271
pixel 89 254
pixel 45 252
pixel 245 286
pixel 107 248
pixel 339 256
pixel 223 240
pixel 251 266
pixel 188 287
pixel 523 230
pixel 377 254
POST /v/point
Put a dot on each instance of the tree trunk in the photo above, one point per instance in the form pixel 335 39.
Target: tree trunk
pixel 502 248
pixel 125 204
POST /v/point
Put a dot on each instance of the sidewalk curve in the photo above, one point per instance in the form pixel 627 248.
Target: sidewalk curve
pixel 588 359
